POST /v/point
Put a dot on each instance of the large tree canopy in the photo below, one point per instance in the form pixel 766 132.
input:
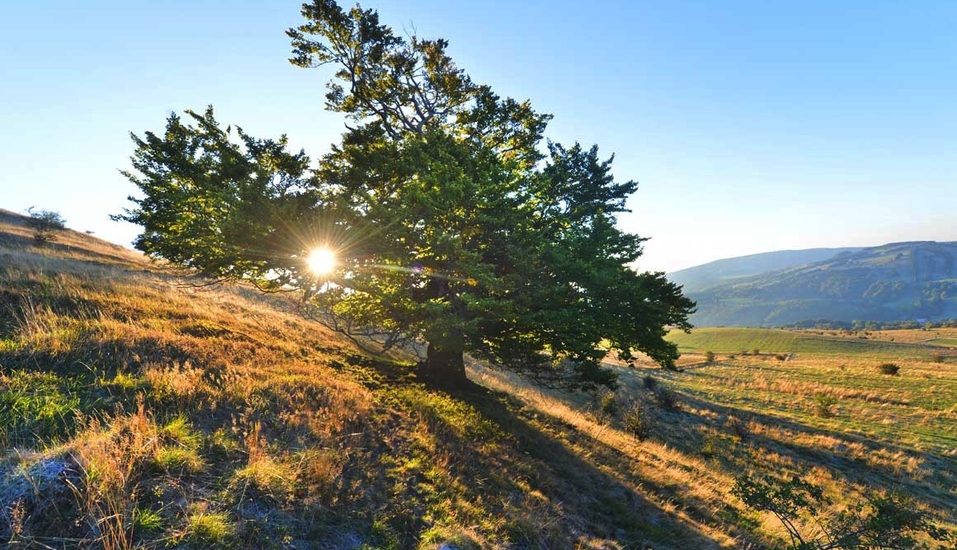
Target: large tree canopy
pixel 454 225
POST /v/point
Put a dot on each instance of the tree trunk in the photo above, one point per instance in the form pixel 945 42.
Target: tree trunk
pixel 444 365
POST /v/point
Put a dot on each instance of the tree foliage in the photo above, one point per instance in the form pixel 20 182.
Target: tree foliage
pixel 454 223
pixel 220 204
pixel 885 522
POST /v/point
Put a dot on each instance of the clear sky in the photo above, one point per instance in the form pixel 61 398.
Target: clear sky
pixel 750 126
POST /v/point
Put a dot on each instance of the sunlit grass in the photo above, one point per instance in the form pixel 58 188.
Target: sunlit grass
pixel 214 417
pixel 209 529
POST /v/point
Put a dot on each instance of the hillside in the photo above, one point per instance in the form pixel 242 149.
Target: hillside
pixel 140 408
pixel 894 282
pixel 702 277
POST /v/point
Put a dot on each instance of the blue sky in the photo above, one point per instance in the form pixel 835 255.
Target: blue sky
pixel 750 126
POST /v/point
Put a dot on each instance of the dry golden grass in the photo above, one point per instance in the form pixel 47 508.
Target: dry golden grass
pixel 756 413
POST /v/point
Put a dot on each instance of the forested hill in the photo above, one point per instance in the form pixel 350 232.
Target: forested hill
pixel 701 277
pixel 894 282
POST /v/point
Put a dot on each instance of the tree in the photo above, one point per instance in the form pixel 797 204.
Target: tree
pixel 44 224
pixel 451 226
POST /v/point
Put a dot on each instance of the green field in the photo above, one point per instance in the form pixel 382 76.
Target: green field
pixel 949 342
pixel 779 341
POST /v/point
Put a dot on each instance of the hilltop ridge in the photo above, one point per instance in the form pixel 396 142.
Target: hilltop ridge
pixel 906 281
pixel 702 277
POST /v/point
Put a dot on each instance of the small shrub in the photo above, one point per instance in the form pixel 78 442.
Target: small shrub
pixel 709 357
pixel 781 357
pixel 737 427
pixel 637 421
pixel 938 358
pixel 608 405
pixel 889 369
pixel 755 351
pixel 44 223
pixel 823 404
pixel 710 446
pixel 650 382
pixel 667 400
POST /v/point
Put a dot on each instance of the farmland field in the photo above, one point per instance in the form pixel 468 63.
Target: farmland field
pixel 891 345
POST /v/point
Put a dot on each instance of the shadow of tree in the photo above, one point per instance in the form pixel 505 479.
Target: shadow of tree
pixel 596 490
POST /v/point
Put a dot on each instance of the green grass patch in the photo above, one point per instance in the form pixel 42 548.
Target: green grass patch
pixel 948 342
pixel 728 340
pixel 207 529
pixel 37 405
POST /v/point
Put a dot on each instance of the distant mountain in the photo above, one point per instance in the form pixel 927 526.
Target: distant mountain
pixel 894 282
pixel 707 275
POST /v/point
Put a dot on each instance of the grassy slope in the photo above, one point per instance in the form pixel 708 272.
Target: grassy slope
pixel 139 411
pixel 897 432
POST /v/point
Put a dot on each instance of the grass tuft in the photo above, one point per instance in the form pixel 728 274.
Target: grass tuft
pixel 890 369
pixel 209 529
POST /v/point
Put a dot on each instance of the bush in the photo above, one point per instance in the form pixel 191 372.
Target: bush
pixel 822 405
pixel 650 382
pixel 737 427
pixel 709 357
pixel 890 369
pixel 879 521
pixel 608 405
pixel 637 421
pixel 781 357
pixel 938 358
pixel 666 399
pixel 44 223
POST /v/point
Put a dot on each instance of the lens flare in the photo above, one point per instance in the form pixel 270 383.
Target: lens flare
pixel 322 260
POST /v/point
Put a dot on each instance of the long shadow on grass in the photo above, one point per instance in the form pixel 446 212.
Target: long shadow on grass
pixel 591 499
pixel 938 471
pixel 526 476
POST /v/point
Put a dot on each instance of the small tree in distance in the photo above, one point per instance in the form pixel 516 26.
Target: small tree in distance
pixel 888 521
pixel 449 224
pixel 44 224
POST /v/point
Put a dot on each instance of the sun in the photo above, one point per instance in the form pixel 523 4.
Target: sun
pixel 322 260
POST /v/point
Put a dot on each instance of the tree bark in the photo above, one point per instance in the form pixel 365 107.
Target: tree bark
pixel 444 365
